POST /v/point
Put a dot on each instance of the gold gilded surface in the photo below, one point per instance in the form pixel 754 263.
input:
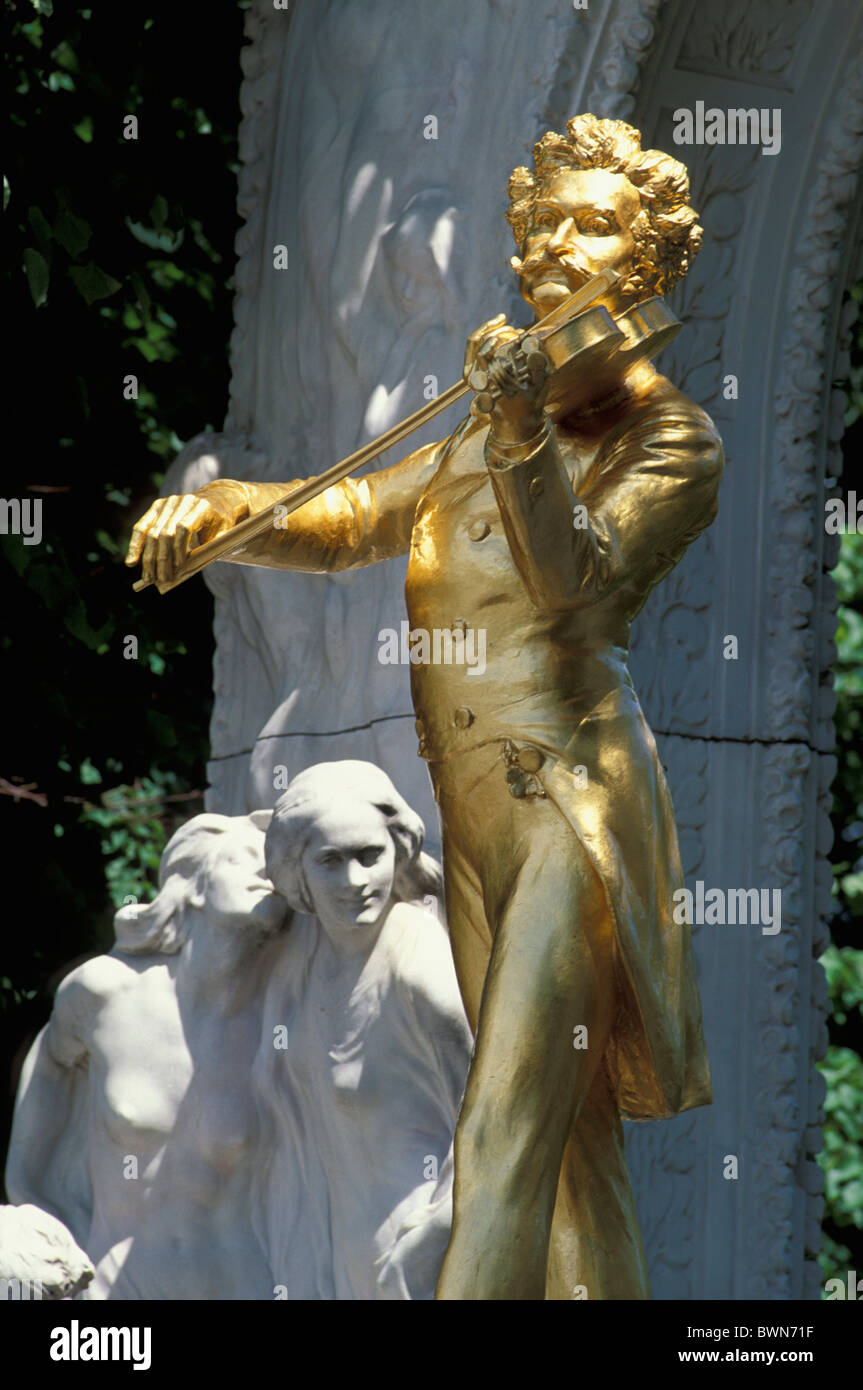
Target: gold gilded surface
pixel 560 849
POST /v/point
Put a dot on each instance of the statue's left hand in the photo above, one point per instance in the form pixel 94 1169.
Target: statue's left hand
pixel 511 379
pixel 489 335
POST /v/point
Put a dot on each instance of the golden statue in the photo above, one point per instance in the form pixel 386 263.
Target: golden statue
pixel 544 520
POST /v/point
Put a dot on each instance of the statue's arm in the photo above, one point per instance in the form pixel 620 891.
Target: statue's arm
pixel 441 1027
pixel 47 1163
pixel 652 491
pixel 351 524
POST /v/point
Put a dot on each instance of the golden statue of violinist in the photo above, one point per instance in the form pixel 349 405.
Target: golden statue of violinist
pixel 573 487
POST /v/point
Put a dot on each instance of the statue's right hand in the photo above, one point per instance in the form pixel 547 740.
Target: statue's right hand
pixel 172 527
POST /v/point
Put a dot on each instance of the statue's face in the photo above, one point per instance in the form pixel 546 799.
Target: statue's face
pixel 348 865
pixel 238 892
pixel 581 223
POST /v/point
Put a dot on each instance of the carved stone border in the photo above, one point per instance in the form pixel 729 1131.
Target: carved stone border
pixel 621 59
pixel 259 102
pixel 805 413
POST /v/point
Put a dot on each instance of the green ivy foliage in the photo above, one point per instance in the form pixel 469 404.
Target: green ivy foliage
pixel 119 257
pixel 841 1158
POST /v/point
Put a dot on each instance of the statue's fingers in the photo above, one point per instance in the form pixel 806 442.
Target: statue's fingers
pixel 163 522
pixel 136 545
pixel 488 327
pixel 485 328
pixel 188 519
pixel 205 522
pixel 142 529
pixel 485 351
pixel 475 338
pixel 148 560
pixel 496 340
pixel 164 559
pixel 160 546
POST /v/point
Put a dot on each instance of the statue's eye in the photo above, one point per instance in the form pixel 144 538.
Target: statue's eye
pixel 596 225
pixel 545 220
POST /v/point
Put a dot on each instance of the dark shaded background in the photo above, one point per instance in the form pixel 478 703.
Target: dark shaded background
pixel 119 261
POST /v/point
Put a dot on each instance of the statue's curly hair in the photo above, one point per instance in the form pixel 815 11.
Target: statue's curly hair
pixel 666 231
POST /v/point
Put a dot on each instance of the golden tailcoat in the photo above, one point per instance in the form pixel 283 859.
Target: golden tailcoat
pixel 552 548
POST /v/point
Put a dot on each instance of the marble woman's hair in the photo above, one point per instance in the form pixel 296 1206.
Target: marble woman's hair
pixel 314 792
pixel 666 231
pixel 162 926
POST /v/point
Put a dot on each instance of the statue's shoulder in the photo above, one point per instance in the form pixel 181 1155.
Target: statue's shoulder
pixel 415 930
pixel 660 417
pixel 94 981
pixel 661 399
pixel 425 968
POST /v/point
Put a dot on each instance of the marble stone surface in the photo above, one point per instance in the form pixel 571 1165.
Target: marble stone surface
pixel 39 1259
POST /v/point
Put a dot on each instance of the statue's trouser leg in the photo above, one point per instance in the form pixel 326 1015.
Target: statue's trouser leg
pixel 595 1249
pixel 527 917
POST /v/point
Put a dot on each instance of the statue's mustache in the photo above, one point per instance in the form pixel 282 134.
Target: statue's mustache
pixel 541 260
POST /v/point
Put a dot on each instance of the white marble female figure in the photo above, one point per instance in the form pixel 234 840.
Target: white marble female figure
pixel 134 1123
pixel 365 1046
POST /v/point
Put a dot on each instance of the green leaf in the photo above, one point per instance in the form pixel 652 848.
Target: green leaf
pixel 107 542
pixel 72 232
pixel 92 283
pixel 36 270
pixel 84 129
pixel 159 212
pixel 157 241
pixel 40 224
pixel 75 622
pixel 65 57
pixel 142 297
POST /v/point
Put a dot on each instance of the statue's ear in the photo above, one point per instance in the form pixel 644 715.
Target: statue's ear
pixel 261 819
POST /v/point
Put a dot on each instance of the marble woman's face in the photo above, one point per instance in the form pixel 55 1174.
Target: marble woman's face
pixel 237 889
pixel 348 864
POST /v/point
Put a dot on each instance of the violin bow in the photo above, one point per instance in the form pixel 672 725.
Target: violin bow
pixel 234 540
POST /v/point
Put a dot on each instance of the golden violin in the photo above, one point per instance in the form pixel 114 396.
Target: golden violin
pixel 590 354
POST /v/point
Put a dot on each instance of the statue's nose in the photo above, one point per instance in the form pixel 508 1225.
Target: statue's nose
pixel 562 236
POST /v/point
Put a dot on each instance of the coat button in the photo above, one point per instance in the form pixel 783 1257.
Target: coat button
pixel 536 486
pixel 478 530
pixel 530 759
pixel 463 717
